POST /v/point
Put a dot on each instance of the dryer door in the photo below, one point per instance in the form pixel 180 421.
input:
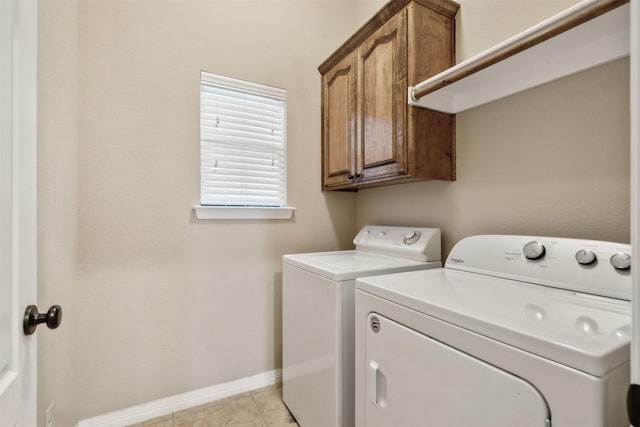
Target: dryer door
pixel 414 380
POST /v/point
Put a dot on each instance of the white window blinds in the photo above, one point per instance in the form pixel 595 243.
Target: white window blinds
pixel 243 142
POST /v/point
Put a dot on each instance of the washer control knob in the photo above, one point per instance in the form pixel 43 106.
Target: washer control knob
pixel 586 256
pixel 533 250
pixel 411 238
pixel 621 261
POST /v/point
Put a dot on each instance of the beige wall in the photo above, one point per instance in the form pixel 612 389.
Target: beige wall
pixel 551 161
pixel 158 303
pixel 481 24
pixel 164 303
pixel 58 95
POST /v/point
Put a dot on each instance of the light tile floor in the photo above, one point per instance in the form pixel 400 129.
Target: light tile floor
pixel 258 408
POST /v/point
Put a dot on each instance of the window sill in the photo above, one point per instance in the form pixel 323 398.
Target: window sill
pixel 237 212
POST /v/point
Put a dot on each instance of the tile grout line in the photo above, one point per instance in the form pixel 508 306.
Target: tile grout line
pixel 255 402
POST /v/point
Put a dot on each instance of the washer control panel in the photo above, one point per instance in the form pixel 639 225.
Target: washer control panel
pixel 589 266
pixel 416 243
pixel 620 261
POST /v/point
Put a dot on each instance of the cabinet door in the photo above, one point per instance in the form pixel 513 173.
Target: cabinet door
pixel 382 93
pixel 338 123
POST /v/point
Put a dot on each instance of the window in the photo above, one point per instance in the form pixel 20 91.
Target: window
pixel 242 149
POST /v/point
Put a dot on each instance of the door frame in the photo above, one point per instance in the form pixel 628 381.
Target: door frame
pixel 634 95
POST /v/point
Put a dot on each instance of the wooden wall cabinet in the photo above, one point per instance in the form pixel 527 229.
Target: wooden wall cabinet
pixel 370 135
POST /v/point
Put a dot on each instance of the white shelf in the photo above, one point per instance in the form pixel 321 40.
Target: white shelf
pixel 480 80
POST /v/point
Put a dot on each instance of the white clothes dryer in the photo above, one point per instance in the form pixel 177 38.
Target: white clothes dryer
pixel 318 316
pixel 514 331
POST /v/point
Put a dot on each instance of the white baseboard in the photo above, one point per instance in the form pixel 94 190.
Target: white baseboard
pixel 178 402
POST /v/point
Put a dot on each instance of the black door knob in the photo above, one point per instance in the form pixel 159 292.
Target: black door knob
pixel 31 320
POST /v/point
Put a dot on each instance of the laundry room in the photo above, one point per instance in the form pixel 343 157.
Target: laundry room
pixel 164 309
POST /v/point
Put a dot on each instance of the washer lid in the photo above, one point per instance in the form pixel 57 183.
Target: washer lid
pixel 347 265
pixel 586 332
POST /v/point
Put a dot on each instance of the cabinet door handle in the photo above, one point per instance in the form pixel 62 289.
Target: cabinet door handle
pixel 351 177
pixel 358 176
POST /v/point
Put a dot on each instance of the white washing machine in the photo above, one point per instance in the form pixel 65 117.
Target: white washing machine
pixel 318 316
pixel 514 331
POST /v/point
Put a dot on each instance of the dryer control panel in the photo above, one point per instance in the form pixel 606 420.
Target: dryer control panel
pixel 416 243
pixel 589 266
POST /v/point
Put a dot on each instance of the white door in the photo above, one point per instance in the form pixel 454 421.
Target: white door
pixel 413 380
pixel 18 59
